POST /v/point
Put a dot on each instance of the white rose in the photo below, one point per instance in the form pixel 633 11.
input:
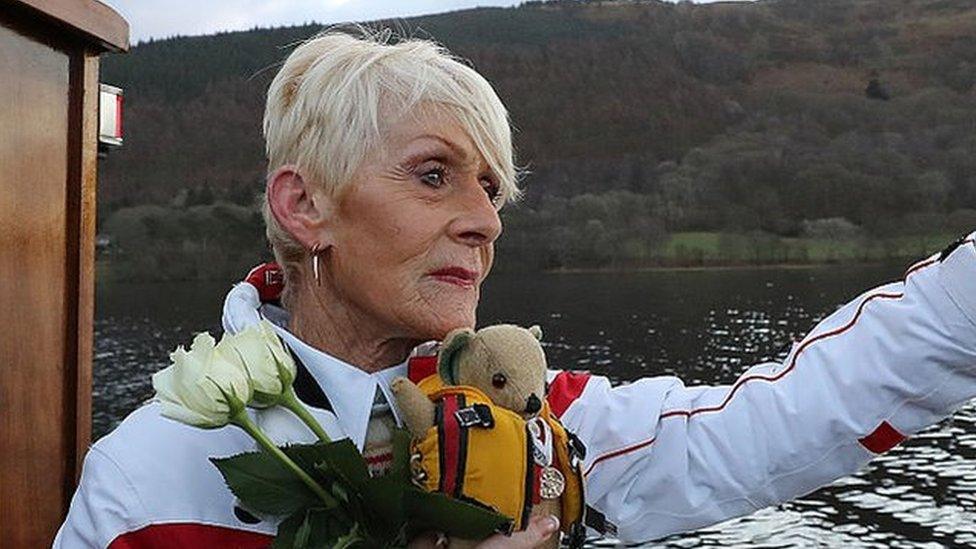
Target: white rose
pixel 259 351
pixel 195 388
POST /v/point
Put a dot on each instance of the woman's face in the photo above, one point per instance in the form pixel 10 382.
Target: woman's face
pixel 413 235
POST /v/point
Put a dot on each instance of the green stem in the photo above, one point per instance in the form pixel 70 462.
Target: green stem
pixel 244 422
pixel 290 401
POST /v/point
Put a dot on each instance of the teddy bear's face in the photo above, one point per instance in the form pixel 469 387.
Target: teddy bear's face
pixel 508 365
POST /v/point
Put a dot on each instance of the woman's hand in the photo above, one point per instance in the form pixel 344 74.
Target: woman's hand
pixel 540 529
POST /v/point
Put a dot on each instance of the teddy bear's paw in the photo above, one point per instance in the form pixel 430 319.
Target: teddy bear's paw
pixel 415 408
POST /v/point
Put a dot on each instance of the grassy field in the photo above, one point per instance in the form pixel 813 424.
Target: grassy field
pixel 696 249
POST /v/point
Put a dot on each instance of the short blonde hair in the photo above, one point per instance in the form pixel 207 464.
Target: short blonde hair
pixel 325 105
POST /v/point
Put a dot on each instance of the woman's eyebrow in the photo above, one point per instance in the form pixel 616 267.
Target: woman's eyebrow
pixel 464 154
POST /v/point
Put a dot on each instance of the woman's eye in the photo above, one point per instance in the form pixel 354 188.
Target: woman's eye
pixel 434 178
pixel 491 189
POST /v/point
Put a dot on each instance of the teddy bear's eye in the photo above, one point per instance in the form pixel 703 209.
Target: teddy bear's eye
pixel 499 380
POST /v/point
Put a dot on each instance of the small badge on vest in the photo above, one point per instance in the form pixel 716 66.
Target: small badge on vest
pixel 478 415
pixel 552 483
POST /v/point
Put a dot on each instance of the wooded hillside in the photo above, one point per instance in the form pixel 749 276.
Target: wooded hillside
pixel 637 120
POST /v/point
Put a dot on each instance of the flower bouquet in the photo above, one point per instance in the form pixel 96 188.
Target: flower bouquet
pixel 322 493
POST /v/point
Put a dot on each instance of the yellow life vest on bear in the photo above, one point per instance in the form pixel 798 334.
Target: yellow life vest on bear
pixel 483 453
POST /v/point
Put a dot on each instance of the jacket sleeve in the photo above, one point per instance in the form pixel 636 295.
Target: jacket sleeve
pixel 104 506
pixel 663 458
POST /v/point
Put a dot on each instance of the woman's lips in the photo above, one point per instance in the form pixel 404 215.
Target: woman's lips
pixel 458 276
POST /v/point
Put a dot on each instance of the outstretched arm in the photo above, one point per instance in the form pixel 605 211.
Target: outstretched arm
pixel 664 458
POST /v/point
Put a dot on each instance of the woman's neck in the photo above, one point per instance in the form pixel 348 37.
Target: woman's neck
pixel 332 326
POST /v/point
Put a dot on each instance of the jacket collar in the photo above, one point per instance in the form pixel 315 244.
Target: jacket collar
pixel 349 391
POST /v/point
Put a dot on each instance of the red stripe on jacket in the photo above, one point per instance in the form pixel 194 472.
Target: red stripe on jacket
pixel 565 388
pixel 773 378
pixel 882 439
pixel 190 536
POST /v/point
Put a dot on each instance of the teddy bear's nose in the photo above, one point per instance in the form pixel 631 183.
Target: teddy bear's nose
pixel 533 404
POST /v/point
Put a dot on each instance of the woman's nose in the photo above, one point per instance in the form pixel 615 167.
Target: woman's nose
pixel 477 222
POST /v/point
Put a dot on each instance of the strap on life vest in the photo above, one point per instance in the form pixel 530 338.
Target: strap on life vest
pixel 530 489
pixel 454 437
pixel 536 484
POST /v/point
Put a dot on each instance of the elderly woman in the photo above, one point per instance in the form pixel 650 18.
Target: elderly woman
pixel 388 164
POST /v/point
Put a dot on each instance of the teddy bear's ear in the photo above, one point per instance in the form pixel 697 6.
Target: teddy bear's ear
pixel 451 347
pixel 536 331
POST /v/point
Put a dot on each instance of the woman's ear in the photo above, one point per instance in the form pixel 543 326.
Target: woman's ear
pixel 299 208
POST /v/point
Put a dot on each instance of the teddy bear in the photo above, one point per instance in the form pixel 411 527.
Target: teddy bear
pixel 482 430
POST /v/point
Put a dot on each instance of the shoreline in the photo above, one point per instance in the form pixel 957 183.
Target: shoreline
pixel 719 267
pixel 104 271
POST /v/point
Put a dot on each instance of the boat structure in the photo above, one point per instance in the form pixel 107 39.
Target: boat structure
pixel 55 122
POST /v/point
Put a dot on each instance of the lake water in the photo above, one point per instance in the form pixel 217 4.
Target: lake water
pixel 703 326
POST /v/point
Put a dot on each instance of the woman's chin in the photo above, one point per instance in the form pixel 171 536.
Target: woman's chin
pixel 436 310
pixel 444 323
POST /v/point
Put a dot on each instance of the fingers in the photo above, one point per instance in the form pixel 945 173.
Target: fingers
pixel 540 529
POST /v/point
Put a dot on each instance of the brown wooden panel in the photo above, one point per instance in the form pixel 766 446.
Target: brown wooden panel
pixel 80 238
pixel 99 24
pixel 34 84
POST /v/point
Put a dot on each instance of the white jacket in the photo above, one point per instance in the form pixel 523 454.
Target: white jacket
pixel 661 458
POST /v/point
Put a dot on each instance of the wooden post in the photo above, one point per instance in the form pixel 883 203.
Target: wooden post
pixel 48 169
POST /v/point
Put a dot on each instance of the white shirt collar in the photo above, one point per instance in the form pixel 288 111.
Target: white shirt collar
pixel 350 391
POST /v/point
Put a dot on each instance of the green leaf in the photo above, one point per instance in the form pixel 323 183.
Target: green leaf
pixel 384 506
pixel 327 530
pixel 304 533
pixel 400 469
pixel 288 529
pixel 263 484
pixel 340 492
pixel 308 457
pixel 344 458
pixel 434 511
pixel 329 462
pixel 349 540
pixel 316 528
